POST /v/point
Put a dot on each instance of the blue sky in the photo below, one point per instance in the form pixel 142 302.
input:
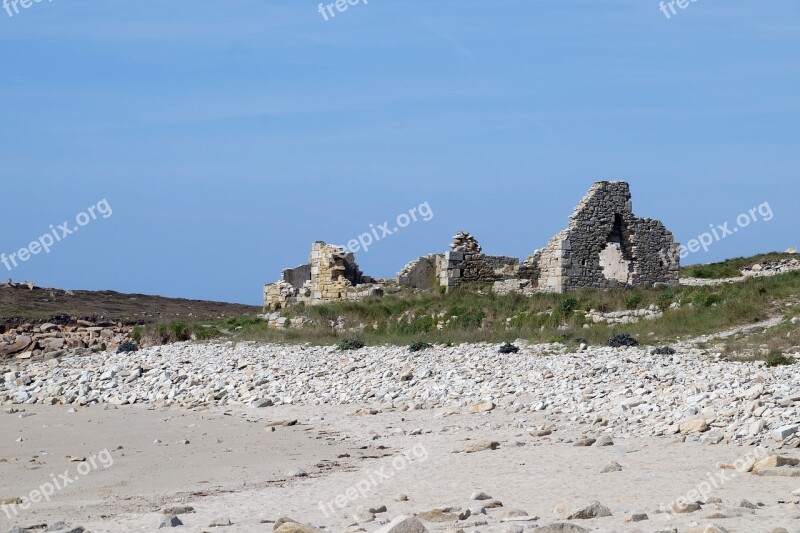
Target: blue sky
pixel 227 136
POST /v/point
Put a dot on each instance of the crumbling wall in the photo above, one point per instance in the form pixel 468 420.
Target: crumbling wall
pixel 606 246
pixel 465 263
pixel 421 273
pixel 331 275
pixel 297 276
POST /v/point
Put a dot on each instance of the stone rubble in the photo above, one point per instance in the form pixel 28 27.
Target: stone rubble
pixel 28 341
pixel 619 392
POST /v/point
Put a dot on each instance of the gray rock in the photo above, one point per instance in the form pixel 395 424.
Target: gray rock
pixel 170 521
pixel 593 510
pixel 222 521
pixel 404 524
pixel 561 527
pixel 613 466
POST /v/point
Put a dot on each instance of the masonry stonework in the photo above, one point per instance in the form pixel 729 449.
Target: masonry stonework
pixel 605 246
pixel 331 275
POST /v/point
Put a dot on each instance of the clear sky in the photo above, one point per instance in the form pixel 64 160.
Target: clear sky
pixel 227 136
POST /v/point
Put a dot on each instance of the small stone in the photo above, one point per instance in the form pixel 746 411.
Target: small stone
pixel 294 527
pixel 378 510
pixel 223 521
pixel 613 466
pixel 283 520
pixel 403 524
pixel 401 498
pixel 593 510
pixel 774 461
pixel 179 509
pixel 584 442
pixel 784 432
pixel 693 425
pixel 561 527
pixel 170 521
pixel 479 496
pixel 637 517
pixel 782 471
pixel 747 505
pixel 447 514
pixel 364 516
pixel 482 446
pixel 603 440
pixel 297 472
pixel 681 507
pixel 482 407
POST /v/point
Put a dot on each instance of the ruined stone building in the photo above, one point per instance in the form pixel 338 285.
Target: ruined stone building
pixel 331 275
pixel 604 246
pixel 464 263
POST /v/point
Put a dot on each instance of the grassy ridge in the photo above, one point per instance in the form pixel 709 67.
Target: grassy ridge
pixel 475 314
pixel 730 268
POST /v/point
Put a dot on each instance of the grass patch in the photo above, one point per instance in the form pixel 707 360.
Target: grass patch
pixel 475 314
pixel 732 267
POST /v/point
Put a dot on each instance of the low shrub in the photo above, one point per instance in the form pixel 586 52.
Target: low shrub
pixel 508 348
pixel 622 339
pixel 776 358
pixel 663 350
pixel 351 343
pixel 127 347
pixel 418 346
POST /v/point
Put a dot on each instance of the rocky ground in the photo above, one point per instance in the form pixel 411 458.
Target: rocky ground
pixel 246 434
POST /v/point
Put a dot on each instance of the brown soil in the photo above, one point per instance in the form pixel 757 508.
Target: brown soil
pixel 20 304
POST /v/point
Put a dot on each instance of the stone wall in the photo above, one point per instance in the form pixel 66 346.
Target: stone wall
pixel 466 263
pixel 605 246
pixel 332 275
pixel 421 273
pixel 297 276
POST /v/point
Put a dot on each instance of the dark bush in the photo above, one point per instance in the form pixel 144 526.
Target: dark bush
pixel 776 358
pixel 127 347
pixel 622 339
pixel 418 346
pixel 508 348
pixel 663 350
pixel 351 343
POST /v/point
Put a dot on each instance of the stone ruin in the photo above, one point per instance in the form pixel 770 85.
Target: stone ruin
pixel 604 246
pixel 331 275
pixel 464 263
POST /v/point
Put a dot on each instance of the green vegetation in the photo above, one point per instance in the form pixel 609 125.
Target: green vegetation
pixel 474 314
pixel 730 268
pixel 418 346
pixel 351 343
pixel 776 358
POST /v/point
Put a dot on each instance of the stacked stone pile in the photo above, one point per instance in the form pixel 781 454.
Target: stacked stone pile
pixel 53 340
pixel 625 317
